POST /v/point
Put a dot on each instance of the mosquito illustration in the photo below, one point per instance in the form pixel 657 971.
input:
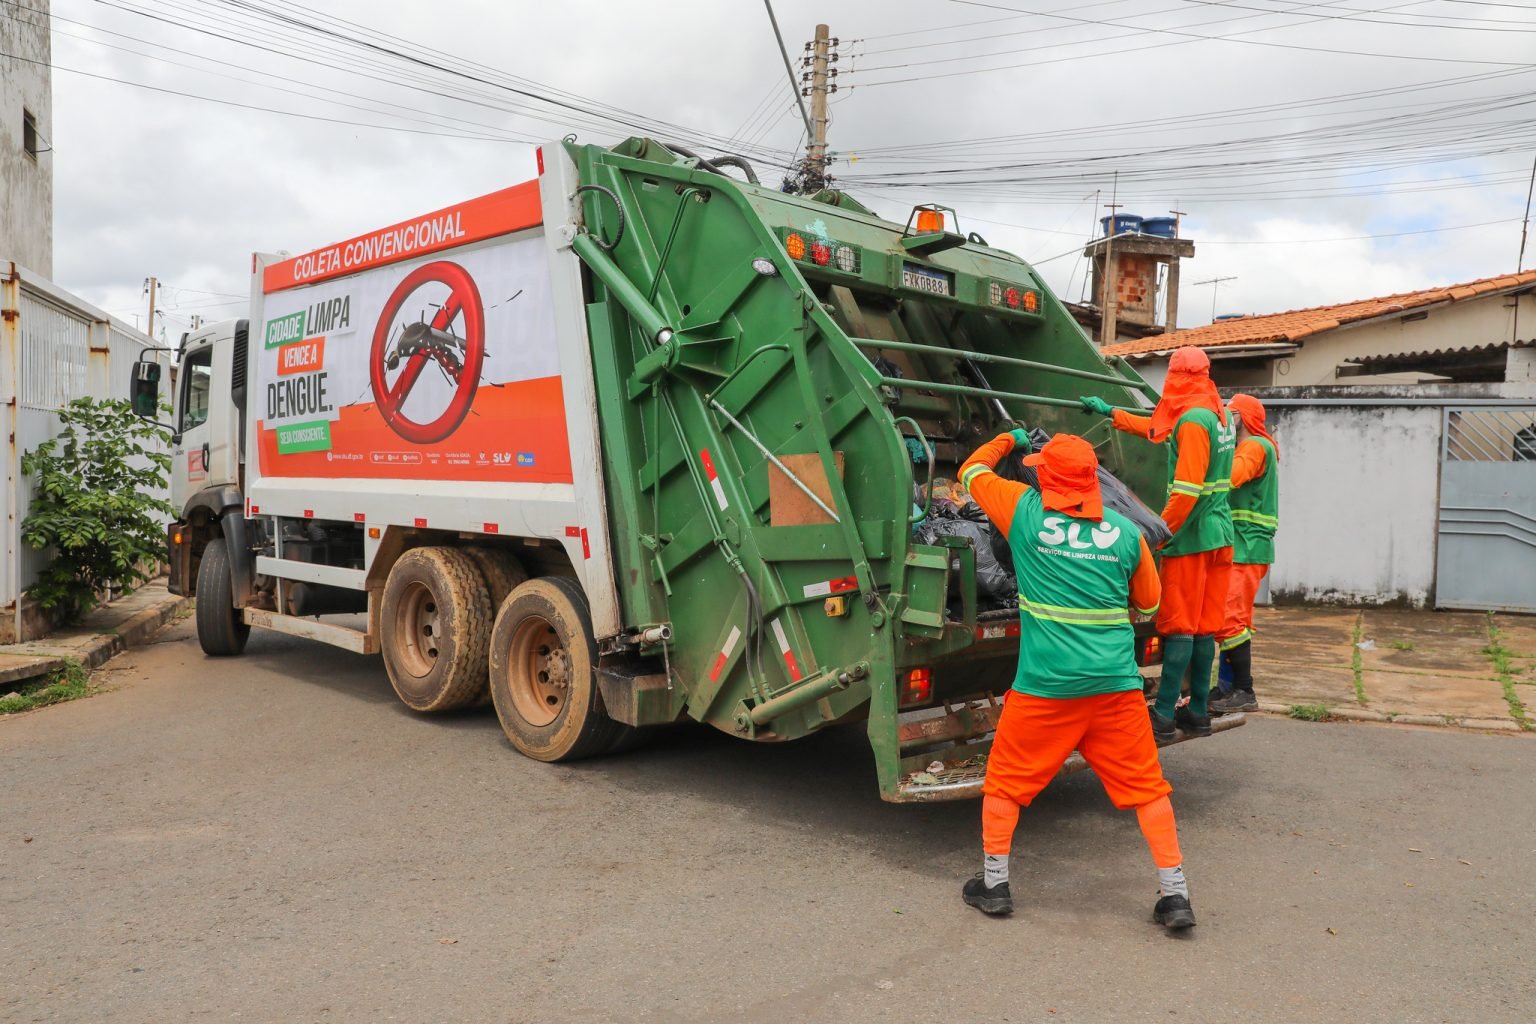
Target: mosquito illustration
pixel 445 348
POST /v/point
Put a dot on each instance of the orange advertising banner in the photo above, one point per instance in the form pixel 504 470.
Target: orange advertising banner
pixel 511 209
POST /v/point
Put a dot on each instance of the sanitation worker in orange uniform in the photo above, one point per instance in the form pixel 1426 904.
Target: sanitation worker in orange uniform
pixel 1080 568
pixel 1197 562
pixel 1255 501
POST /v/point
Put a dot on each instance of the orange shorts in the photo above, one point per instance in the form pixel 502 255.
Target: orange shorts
pixel 1035 735
pixel 1194 593
pixel 1241 591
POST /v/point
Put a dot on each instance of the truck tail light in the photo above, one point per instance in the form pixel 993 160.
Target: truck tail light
pixel 823 252
pixel 1003 295
pixel 1151 652
pixel 918 687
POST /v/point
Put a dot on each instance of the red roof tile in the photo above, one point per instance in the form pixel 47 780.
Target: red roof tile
pixel 1280 328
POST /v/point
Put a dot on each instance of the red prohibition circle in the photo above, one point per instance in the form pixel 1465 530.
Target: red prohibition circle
pixel 464 298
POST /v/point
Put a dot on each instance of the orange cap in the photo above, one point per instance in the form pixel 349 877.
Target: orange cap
pixel 1069 476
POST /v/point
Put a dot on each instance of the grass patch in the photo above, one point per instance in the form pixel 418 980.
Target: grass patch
pixel 1401 645
pixel 1356 662
pixel 1310 712
pixel 67 683
pixel 1500 655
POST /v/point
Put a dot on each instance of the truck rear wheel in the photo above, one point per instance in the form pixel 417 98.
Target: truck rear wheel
pixel 502 572
pixel 544 673
pixel 221 627
pixel 436 623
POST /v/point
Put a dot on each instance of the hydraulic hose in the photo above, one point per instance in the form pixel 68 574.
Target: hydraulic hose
pixel 731 160
pixel 619 232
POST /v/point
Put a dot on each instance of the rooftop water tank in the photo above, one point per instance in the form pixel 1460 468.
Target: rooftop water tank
pixel 1161 227
pixel 1125 224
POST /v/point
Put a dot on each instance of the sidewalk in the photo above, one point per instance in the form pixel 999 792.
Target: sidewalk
pixel 110 629
pixel 1469 669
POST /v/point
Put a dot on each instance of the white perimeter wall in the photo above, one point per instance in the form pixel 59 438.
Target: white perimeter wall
pixel 1359 491
pixel 54 348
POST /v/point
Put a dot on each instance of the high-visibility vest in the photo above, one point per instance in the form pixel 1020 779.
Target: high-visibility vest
pixel 1256 512
pixel 1209 525
pixel 1074 576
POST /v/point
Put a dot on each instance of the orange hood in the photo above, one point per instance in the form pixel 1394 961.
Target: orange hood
pixel 1188 386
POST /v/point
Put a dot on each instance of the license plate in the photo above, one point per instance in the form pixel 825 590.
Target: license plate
pixel 924 280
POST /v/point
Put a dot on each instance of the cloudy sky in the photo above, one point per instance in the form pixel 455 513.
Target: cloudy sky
pixel 1321 151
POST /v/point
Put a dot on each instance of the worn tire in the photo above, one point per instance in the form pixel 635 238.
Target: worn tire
pixel 501 571
pixel 544 673
pixel 221 627
pixel 436 623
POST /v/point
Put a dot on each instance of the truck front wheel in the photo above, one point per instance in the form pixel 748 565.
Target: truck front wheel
pixel 544 673
pixel 221 627
pixel 436 623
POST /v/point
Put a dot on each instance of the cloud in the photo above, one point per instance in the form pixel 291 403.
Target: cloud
pixel 185 190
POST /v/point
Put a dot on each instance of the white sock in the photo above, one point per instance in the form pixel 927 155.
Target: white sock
pixel 996 869
pixel 1171 882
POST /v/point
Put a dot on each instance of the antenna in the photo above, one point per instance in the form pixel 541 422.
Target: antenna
pixel 1215 282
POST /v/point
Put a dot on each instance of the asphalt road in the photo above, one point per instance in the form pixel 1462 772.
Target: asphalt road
pixel 275 838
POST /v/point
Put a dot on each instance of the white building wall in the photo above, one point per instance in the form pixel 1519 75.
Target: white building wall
pixel 26 182
pixel 1359 492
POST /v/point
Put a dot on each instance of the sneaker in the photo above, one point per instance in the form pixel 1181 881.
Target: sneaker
pixel 1191 723
pixel 995 900
pixel 1174 913
pixel 1162 728
pixel 1240 700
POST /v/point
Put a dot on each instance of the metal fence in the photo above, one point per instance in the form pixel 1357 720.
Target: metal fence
pixel 54 348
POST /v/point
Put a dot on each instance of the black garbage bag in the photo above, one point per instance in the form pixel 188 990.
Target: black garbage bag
pixel 1112 492
pixel 994 577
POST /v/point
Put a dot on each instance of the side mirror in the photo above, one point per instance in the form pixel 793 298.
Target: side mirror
pixel 145 389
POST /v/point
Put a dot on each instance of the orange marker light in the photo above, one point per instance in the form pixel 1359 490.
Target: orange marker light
pixel 795 246
pixel 929 221
pixel 1031 302
pixel 918 688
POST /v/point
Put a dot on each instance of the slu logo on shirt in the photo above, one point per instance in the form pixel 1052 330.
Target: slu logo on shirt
pixel 1102 537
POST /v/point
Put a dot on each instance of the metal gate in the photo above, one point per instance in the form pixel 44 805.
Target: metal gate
pixel 1487 525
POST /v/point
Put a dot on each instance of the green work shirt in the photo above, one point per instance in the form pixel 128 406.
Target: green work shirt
pixel 1074 575
pixel 1256 512
pixel 1209 526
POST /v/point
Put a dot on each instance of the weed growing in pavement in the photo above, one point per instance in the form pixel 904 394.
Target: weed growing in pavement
pixel 1310 712
pixel 1401 645
pixel 1356 662
pixel 1499 655
pixel 62 684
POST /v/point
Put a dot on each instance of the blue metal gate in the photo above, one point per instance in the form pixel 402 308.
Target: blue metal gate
pixel 1487 525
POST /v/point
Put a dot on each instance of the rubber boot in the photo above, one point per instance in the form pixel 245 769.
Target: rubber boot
pixel 1200 660
pixel 1176 654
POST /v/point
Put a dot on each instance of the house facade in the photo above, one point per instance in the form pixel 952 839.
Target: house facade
pixel 1478 332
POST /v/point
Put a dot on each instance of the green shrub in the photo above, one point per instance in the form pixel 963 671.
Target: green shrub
pixel 94 504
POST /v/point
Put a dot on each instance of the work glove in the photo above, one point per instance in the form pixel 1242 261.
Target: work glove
pixel 1098 405
pixel 1021 439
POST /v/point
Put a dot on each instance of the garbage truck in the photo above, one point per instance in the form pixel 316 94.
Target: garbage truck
pixel 638 442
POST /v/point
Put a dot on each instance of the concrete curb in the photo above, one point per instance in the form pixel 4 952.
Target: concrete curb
pixel 1442 721
pixel 42 657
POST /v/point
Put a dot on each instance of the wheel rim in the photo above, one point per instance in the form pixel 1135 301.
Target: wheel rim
pixel 538 672
pixel 418 625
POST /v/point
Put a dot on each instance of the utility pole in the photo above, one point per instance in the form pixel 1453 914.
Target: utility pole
pixel 818 83
pixel 1107 300
pixel 1215 282
pixel 149 287
pixel 816 151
